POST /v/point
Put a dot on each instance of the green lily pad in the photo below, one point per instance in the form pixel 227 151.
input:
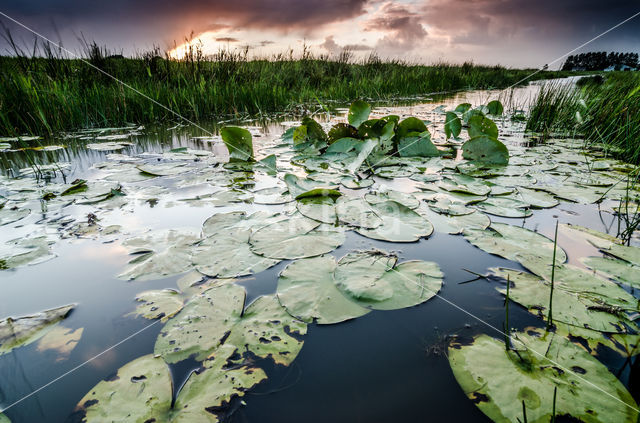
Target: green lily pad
pixel 464 184
pixel 455 225
pixel 514 243
pixel 229 257
pixel 570 308
pixel 537 199
pixel 160 304
pixel 384 194
pixel 399 224
pixel 25 251
pixel 353 183
pixel 358 276
pixel 486 150
pixel 322 209
pixel 409 126
pixel 495 108
pixel 299 187
pixel 216 317
pixel 162 169
pixel 452 125
pixel 620 271
pixel 142 391
pixel 340 131
pixel 297 237
pixel 359 113
pixel 357 212
pixel 463 107
pixel 627 253
pixel 505 207
pixel 239 143
pixel 480 126
pixel 500 380
pixel 306 288
pixel 23 331
pixel 419 145
pixel 159 254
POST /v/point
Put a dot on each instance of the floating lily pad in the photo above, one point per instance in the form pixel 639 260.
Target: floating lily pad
pixel 480 126
pixel 23 331
pixel 159 254
pixel 500 380
pixel 621 271
pixel 228 257
pixel 399 224
pixel 142 391
pixel 297 237
pixel 25 251
pixel 358 276
pixel 464 184
pixel 486 150
pixel 322 209
pixel 162 169
pixel 10 215
pixel 306 288
pixel 505 207
pixel 353 183
pixel 456 224
pixel 514 243
pixel 413 282
pixel 158 304
pixel 299 187
pixel 384 194
pixel 537 199
pixel 357 212
pixel 108 146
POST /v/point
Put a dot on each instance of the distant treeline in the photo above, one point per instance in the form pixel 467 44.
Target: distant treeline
pixel 597 61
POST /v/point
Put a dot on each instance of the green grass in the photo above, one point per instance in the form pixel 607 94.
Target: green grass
pixel 45 93
pixel 604 110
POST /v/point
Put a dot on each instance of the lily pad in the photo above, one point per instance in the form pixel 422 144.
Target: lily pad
pixel 359 113
pixel 499 381
pixel 25 251
pixel 358 276
pixel 10 215
pixel 486 150
pixel 419 145
pixel 620 271
pixel 452 125
pixel 482 126
pixel 239 143
pixel 537 199
pixel 357 212
pixel 160 304
pixel 229 257
pixel 295 238
pixel 455 224
pixel 162 169
pixel 322 209
pixel 306 288
pixel 399 224
pixel 505 207
pixel 23 331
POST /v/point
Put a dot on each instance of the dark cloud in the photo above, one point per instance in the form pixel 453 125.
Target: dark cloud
pixel 117 22
pixel 403 27
pixel 227 40
pixel 332 47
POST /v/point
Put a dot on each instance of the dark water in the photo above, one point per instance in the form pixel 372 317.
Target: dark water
pixel 387 366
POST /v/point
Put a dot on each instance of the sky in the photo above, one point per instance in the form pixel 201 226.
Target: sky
pixel 513 33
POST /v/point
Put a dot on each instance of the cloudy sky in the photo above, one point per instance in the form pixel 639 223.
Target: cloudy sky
pixel 509 32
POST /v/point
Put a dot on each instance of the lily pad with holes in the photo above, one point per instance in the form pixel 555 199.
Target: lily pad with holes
pixel 229 257
pixel 21 331
pixel 486 150
pixel 142 391
pixel 307 290
pixel 498 381
pixel 399 224
pixel 216 317
pixel 159 304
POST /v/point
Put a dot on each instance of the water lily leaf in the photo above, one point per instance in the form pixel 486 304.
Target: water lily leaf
pixel 626 253
pixel 300 135
pixel 299 186
pixel 271 195
pixel 353 183
pixel 60 339
pixel 455 224
pixel 307 290
pixel 79 185
pixel 23 331
pixel 399 224
pixel 315 133
pixel 108 146
pixel 581 233
pixel 385 194
pixel 515 243
pixel 239 143
pixel 446 205
pixel 357 212
pixel 574 193
pixel 229 257
pixel 482 126
pixel 485 150
pixel 319 192
pixel 142 391
pixel 10 215
pixel 295 238
pixel 159 254
pixel 413 282
pixel 342 130
pixel 359 112
pixel 25 251
pixel 164 303
pixel 500 380
pixel 409 126
pixel 495 108
pixel 464 184
pixel 572 308
pixel 4 419
pixel 505 207
pixel 238 224
pixel 201 325
pixel 463 108
pixel 537 199
pixel 162 169
pixel 621 271
pixel 358 276
pixel 417 146
pixel 452 125
pixel 363 155
pixel 322 209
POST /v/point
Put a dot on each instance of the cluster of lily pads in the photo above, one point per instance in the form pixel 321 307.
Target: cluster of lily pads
pixel 315 183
